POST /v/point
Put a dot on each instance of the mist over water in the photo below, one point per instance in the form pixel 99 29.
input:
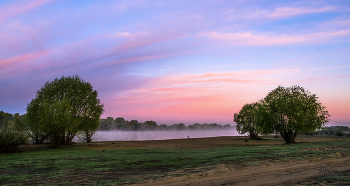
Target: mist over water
pixel 159 135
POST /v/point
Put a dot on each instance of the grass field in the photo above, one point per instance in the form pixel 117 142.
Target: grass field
pixel 107 163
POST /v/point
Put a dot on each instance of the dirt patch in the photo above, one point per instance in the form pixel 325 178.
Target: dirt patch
pixel 268 173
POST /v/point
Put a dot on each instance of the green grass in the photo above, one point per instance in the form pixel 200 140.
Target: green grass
pixel 340 178
pixel 116 166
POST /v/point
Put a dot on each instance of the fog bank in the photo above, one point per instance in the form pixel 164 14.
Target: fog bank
pixel 158 135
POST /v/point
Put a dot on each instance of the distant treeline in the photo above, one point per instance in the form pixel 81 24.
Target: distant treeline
pixel 133 125
pixel 16 121
pixel 11 121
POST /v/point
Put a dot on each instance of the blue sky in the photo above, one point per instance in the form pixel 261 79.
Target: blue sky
pixel 177 61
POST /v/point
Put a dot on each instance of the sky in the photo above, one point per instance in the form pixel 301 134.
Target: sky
pixel 177 61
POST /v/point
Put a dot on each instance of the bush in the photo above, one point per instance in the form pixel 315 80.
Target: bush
pixel 10 140
pixel 339 133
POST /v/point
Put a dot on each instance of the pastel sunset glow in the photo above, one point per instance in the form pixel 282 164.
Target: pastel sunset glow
pixel 177 61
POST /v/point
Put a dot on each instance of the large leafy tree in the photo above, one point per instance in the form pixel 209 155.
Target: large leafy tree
pixel 246 120
pixel 289 111
pixel 62 108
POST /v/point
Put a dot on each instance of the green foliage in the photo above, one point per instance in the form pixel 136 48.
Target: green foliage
pixel 338 177
pixel 162 127
pixel 88 130
pixel 120 123
pixel 10 140
pixel 149 125
pixel 20 122
pixel 246 120
pixel 133 125
pixel 6 120
pixel 61 109
pixel 291 110
pixel 179 126
pixel 108 124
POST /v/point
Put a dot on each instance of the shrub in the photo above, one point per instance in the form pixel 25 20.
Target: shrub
pixel 339 133
pixel 10 140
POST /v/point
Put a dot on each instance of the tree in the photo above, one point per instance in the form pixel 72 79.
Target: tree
pixel 120 123
pixel 179 126
pixel 196 126
pixel 162 127
pixel 20 123
pixel 133 125
pixel 62 108
pixel 89 130
pixel 6 120
pixel 292 110
pixel 107 124
pixel 246 120
pixel 150 125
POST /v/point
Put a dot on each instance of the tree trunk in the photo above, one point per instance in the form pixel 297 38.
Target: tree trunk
pixel 289 136
pixel 88 136
pixel 253 136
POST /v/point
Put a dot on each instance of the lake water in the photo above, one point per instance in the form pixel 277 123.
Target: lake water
pixel 159 135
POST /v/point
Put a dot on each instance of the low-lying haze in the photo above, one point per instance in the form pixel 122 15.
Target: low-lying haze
pixel 158 135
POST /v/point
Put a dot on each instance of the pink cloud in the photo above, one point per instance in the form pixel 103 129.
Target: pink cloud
pixel 133 59
pixel 20 8
pixel 215 94
pixel 245 73
pixel 22 58
pixel 88 51
pixel 324 78
pixel 262 39
pixel 283 12
pixel 184 97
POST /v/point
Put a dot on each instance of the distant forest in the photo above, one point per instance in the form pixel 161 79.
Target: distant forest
pixel 16 121
pixel 122 124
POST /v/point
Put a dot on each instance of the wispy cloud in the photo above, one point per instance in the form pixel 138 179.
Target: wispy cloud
pixel 265 39
pixel 284 12
pixel 22 58
pixel 323 78
pixel 11 10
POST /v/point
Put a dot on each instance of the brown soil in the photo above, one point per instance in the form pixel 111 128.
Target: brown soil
pixel 269 173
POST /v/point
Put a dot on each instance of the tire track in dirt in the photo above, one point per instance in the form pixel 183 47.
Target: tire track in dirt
pixel 280 173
